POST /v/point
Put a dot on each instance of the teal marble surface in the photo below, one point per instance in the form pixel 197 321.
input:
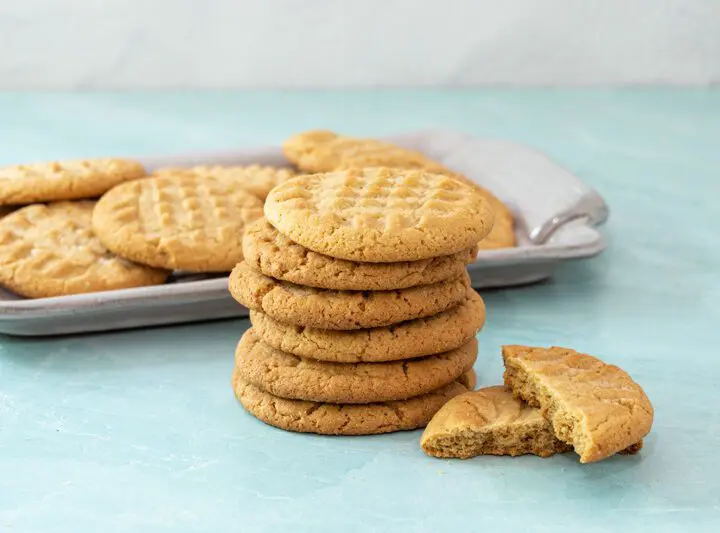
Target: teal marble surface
pixel 139 430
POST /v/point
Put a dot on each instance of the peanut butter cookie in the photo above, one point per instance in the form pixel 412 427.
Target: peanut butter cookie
pixel 64 180
pixel 415 338
pixel 257 179
pixel 290 376
pixel 594 406
pixel 342 419
pixel 50 250
pixel 489 421
pixel 379 214
pixel 325 151
pixel 178 222
pixel 273 254
pixel 346 310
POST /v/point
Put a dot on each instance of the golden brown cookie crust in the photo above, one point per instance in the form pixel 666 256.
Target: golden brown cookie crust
pixel 289 376
pixel 489 421
pixel 273 254
pixel 177 222
pixel 379 214
pixel 502 234
pixel 257 179
pixel 325 151
pixel 468 379
pixel 344 310
pixel 64 180
pixel 50 250
pixel 594 406
pixel 342 419
pixel 415 338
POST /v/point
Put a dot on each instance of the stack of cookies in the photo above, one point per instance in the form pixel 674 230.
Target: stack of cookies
pixel 364 320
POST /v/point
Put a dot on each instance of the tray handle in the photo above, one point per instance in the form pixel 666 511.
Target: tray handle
pixel 544 195
pixel 590 207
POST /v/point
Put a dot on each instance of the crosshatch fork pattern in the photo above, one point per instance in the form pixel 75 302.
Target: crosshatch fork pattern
pixel 138 307
pixel 177 222
pixel 50 250
pixel 379 214
pixel 184 206
pixel 325 151
pixel 64 180
pixel 380 199
pixel 57 238
pixel 258 179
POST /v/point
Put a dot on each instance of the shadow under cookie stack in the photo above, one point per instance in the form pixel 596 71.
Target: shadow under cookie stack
pixel 363 316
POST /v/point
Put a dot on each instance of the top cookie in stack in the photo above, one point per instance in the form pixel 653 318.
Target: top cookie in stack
pixel 379 215
pixel 363 316
pixel 326 151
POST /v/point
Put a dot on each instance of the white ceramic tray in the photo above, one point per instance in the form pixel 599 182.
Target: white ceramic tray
pixel 555 213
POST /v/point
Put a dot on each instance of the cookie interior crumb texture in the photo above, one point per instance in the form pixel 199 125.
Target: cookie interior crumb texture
pixel 594 406
pixel 489 421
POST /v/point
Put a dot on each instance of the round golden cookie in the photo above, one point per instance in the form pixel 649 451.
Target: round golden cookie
pixel 415 338
pixel 502 234
pixel 257 179
pixel 342 419
pixel 273 254
pixel 468 379
pixel 64 180
pixel 379 215
pixel 50 250
pixel 290 376
pixel 325 151
pixel 594 406
pixel 178 222
pixel 328 309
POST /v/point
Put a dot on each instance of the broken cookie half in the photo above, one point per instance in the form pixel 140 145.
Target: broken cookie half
pixel 489 421
pixel 596 407
pixel 554 400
